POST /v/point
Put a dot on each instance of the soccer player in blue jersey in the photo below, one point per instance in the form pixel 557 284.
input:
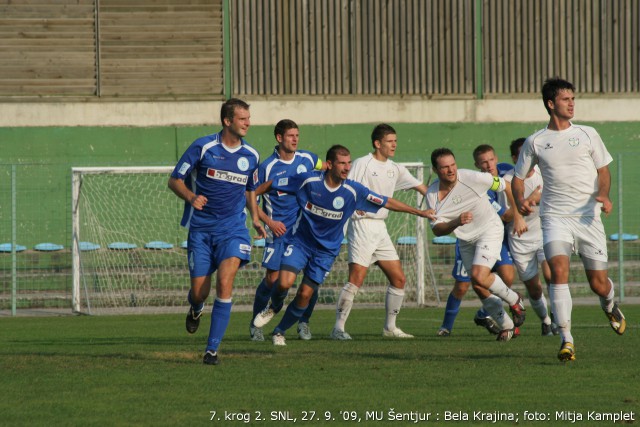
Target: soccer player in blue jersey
pixel 216 177
pixel 279 212
pixel 326 201
pixel 486 160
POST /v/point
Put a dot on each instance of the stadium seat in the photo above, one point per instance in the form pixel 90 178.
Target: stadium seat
pixel 444 240
pixel 184 244
pixel 6 247
pixel 158 244
pixel 89 246
pixel 259 243
pixel 407 240
pixel 625 236
pixel 345 241
pixel 48 247
pixel 121 246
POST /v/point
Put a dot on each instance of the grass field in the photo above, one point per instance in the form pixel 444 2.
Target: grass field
pixel 146 370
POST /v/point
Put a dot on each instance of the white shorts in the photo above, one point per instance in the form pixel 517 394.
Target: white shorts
pixel 484 251
pixel 369 242
pixel 527 255
pixel 585 233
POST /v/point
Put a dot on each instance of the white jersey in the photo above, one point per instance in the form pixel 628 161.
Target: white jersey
pixel 568 161
pixel 468 195
pixel 380 177
pixel 534 229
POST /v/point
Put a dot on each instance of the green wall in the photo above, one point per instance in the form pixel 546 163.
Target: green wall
pixel 45 156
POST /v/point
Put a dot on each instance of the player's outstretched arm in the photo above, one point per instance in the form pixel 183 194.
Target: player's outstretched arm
pixel 181 190
pixel 398 206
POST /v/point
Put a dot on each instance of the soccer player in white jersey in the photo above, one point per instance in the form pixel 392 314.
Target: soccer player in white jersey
pixel 486 160
pixel 461 206
pixel 525 243
pixel 368 239
pixel 279 212
pixel 216 177
pixel 574 164
pixel 326 200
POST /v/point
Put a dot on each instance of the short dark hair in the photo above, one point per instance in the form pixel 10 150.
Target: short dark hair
pixel 283 126
pixel 552 87
pixel 228 109
pixel 440 152
pixel 515 145
pixel 335 151
pixel 380 132
pixel 481 149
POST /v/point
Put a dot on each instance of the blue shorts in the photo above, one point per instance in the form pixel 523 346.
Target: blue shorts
pixel 460 274
pixel 206 250
pixel 273 255
pixel 316 266
pixel 505 255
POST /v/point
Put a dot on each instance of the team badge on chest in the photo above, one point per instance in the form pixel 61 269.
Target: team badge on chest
pixel 338 203
pixel 243 164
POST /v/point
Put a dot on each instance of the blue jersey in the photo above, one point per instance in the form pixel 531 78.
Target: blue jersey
pixel 324 212
pixel 278 205
pixel 222 175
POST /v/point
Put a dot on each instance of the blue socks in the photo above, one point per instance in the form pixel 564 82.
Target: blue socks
pixel 263 294
pixel 451 312
pixel 291 316
pixel 309 311
pixel 277 298
pixel 220 315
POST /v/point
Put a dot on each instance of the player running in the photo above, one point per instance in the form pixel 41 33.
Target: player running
pixel 574 164
pixel 279 212
pixel 215 178
pixel 459 199
pixel 326 200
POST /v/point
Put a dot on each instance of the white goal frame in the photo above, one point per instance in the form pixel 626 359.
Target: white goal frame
pixel 420 250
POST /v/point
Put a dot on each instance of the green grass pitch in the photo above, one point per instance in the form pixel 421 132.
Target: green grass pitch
pixel 146 370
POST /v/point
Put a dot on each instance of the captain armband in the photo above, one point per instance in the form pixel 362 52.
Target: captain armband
pixel 498 184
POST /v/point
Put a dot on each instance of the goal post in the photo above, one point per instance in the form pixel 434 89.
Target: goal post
pixel 129 251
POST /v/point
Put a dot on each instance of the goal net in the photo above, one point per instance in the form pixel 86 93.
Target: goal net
pixel 129 251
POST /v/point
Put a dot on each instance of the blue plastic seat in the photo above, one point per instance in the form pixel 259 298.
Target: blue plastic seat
pixel 89 246
pixel 407 240
pixel 158 244
pixel 7 247
pixel 48 247
pixel 444 240
pixel 122 246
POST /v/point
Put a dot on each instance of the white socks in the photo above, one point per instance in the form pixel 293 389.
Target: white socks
pixel 501 290
pixel 607 303
pixel 493 306
pixel 562 304
pixel 540 307
pixel 392 304
pixel 345 302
